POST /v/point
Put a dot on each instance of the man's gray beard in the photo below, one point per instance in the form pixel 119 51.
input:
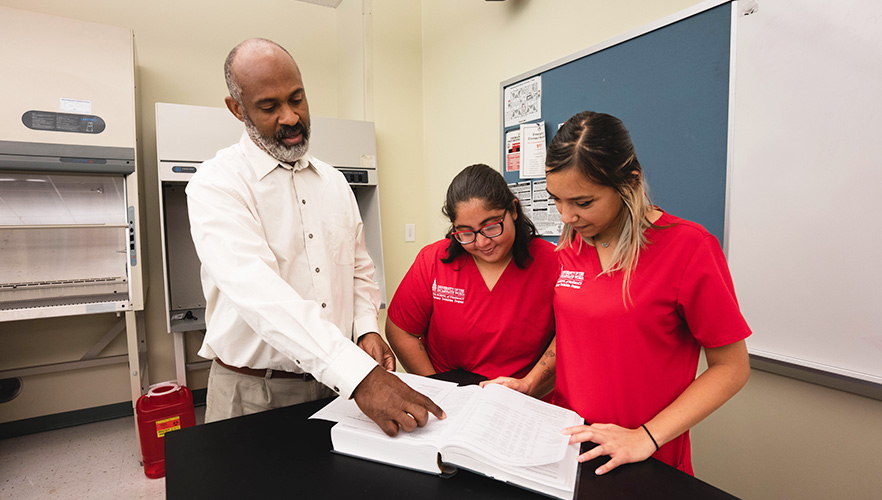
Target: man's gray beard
pixel 282 153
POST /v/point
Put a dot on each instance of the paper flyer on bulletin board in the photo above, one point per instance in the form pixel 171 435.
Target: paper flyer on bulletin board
pixel 545 217
pixel 523 101
pixel 523 191
pixel 537 206
pixel 513 150
pixel 533 150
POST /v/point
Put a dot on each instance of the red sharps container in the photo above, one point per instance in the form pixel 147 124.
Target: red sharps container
pixel 166 407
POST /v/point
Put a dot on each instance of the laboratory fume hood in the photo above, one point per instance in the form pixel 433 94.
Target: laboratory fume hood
pixel 69 210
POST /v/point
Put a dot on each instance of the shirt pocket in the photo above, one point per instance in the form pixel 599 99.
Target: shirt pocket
pixel 341 243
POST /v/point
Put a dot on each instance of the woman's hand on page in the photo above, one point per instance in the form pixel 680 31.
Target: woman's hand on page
pixel 517 384
pixel 539 381
pixel 623 446
pixel 378 349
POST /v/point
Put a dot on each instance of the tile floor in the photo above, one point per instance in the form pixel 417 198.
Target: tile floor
pixel 92 461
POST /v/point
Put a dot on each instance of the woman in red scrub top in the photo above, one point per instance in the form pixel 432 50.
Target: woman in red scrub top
pixel 481 298
pixel 640 293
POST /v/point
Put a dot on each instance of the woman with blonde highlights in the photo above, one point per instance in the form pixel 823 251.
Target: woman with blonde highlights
pixel 640 293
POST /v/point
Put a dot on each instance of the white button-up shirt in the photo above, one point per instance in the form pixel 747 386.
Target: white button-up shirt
pixel 287 278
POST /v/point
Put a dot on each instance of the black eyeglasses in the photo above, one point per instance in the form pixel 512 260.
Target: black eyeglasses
pixel 491 230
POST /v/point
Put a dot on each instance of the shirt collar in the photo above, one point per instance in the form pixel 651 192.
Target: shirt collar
pixel 263 163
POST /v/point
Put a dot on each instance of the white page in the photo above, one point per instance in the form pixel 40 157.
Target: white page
pixel 557 474
pixel 512 428
pixel 508 427
pixel 452 400
pixel 347 412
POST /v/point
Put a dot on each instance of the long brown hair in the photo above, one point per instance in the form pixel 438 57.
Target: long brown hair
pixel 600 147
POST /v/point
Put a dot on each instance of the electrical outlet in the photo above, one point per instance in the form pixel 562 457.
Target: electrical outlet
pixel 410 232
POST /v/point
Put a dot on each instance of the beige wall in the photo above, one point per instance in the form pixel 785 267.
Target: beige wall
pixel 781 438
pixel 399 117
pixel 432 70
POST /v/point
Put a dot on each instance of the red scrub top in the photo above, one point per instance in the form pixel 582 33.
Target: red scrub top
pixel 499 332
pixel 623 365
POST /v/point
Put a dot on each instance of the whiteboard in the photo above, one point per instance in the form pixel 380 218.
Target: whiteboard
pixel 804 248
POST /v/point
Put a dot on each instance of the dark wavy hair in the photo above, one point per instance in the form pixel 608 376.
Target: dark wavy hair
pixel 480 182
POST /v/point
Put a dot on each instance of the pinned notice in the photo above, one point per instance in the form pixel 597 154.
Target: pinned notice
pixel 523 101
pixel 533 150
pixel 513 150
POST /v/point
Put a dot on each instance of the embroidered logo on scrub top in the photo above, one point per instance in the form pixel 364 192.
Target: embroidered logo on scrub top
pixel 448 293
pixel 570 279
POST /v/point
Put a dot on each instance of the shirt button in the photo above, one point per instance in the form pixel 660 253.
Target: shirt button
pixel 336 389
pixel 324 304
pixel 303 201
pixel 317 270
pixel 310 235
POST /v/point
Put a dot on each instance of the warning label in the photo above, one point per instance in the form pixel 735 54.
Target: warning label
pixel 167 425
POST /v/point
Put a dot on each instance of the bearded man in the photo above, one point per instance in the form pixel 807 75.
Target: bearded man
pixel 291 306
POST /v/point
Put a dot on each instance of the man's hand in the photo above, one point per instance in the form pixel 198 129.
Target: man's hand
pixel 378 349
pixel 392 404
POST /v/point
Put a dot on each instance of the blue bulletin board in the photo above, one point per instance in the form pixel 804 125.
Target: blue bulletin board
pixel 670 84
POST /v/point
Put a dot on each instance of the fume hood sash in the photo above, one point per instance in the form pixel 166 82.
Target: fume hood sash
pixel 43 157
